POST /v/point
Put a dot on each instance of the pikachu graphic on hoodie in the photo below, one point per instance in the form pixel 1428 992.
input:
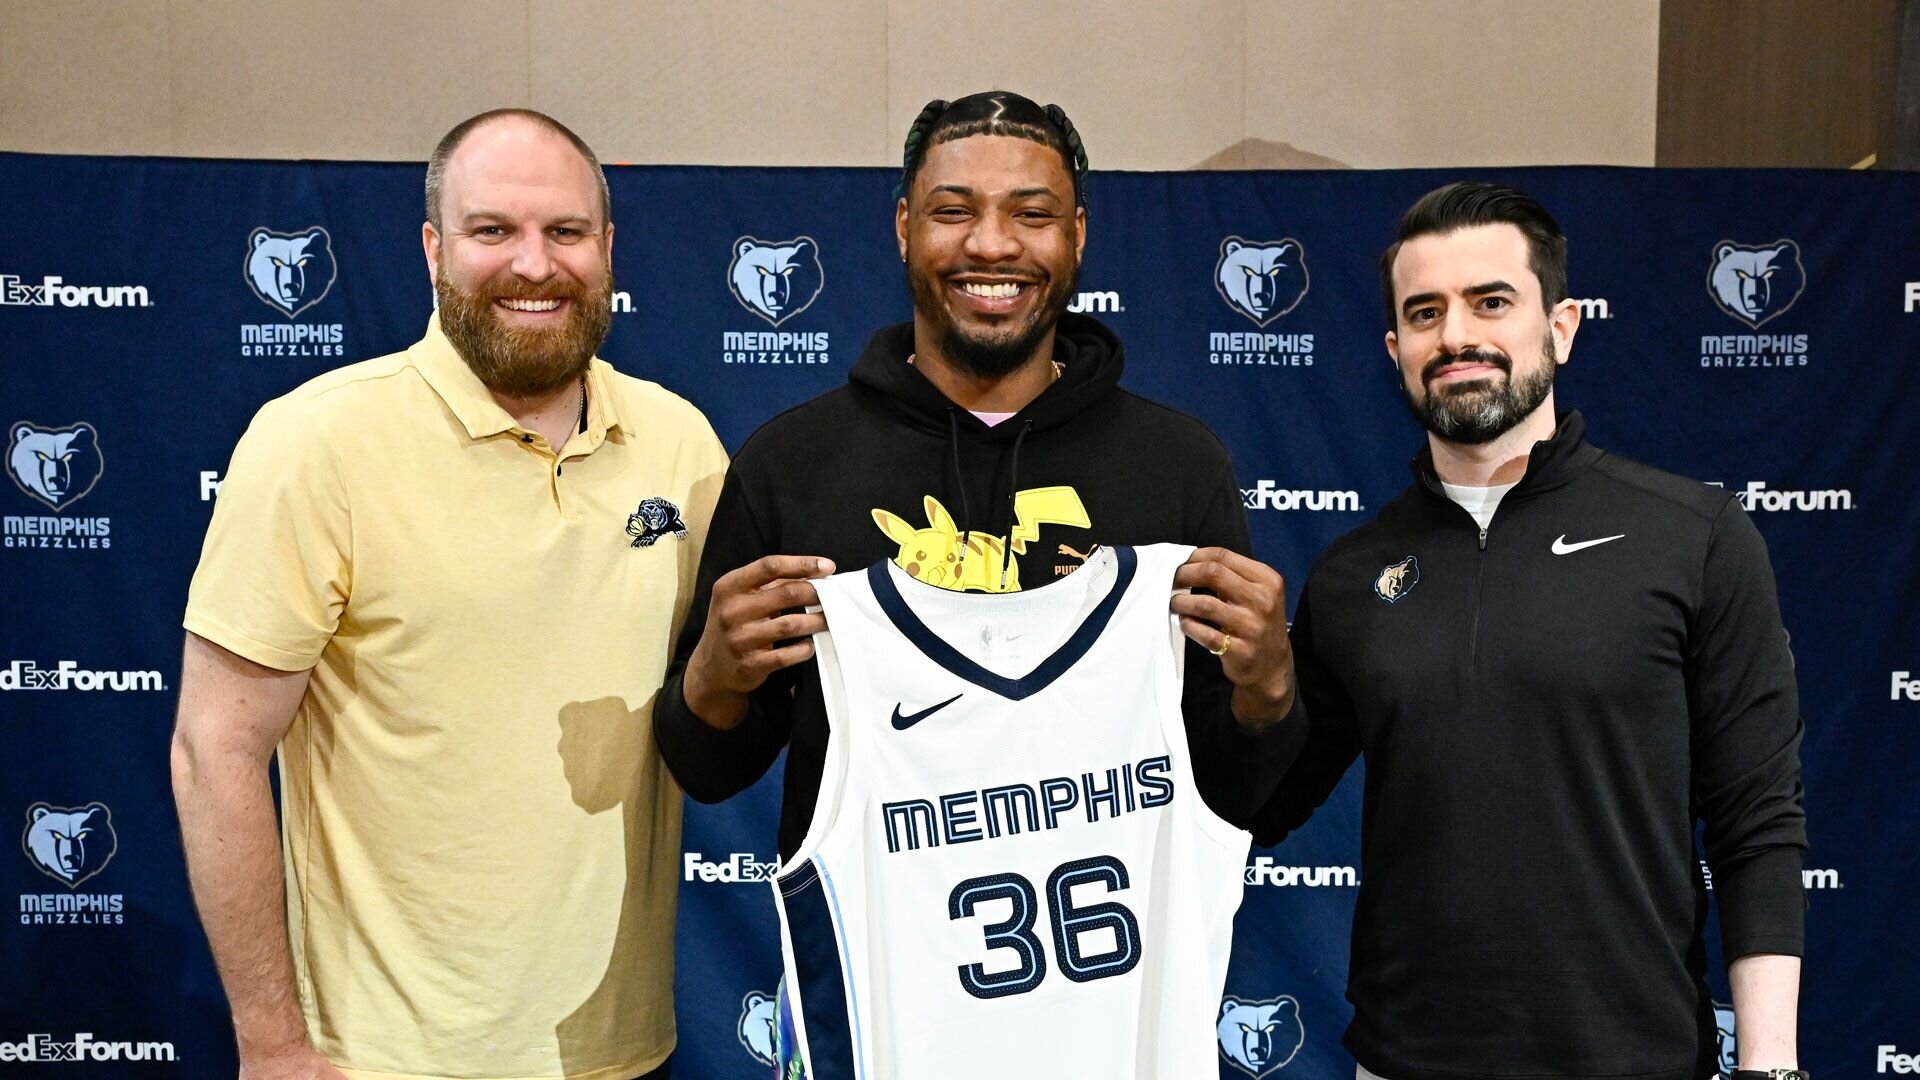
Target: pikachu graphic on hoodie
pixel 940 554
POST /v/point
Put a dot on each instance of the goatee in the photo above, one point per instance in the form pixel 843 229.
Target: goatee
pixel 1479 411
pixel 521 361
pixel 992 353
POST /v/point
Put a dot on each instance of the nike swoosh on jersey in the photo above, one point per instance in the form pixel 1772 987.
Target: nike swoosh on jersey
pixel 1561 547
pixel 902 723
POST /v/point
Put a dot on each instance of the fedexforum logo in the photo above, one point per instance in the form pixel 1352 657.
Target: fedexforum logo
pixel 1757 496
pixel 1263 870
pixel 1889 1059
pixel 1905 686
pixel 1267 495
pixel 1913 297
pixel 68 675
pixel 740 866
pixel 1096 303
pixel 1819 879
pixel 53 292
pixel 84 1047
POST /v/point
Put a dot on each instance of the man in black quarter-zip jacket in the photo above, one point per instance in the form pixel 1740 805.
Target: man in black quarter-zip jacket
pixel 985 446
pixel 1554 661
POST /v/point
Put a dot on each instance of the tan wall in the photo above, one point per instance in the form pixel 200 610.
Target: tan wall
pixel 1151 84
pixel 1735 81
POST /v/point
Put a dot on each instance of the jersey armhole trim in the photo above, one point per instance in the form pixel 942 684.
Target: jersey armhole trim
pixel 830 800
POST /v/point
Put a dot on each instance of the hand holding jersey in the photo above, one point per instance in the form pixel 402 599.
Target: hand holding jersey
pixel 751 633
pixel 1244 623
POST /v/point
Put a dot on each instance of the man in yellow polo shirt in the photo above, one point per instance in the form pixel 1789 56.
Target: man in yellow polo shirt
pixel 443 583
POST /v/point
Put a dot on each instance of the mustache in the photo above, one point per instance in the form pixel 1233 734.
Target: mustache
pixel 511 287
pixel 1493 357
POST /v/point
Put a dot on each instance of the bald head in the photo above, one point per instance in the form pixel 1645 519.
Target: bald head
pixel 495 137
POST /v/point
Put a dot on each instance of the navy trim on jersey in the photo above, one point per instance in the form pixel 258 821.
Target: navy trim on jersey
pixel 937 650
pixel 817 969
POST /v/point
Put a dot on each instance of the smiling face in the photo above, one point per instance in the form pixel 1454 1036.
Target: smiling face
pixel 1475 348
pixel 992 240
pixel 521 259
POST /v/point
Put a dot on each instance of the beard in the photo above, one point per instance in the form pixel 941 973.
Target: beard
pixel 1480 410
pixel 525 361
pixel 993 352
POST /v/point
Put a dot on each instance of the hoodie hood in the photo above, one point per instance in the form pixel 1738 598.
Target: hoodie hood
pixel 1089 354
pixel 1090 361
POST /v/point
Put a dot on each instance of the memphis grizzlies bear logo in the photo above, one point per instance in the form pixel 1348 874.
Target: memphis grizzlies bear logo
pixel 58 466
pixel 1723 1027
pixel 69 846
pixel 778 280
pixel 1258 1037
pixel 1756 283
pixel 1262 281
pixel 1397 580
pixel 756 1027
pixel 290 272
pixel 654 519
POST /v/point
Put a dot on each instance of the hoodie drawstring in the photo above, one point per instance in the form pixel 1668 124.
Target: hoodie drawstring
pixel 960 478
pixel 1013 489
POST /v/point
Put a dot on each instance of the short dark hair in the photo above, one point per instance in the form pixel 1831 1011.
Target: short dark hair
pixel 437 164
pixel 994 112
pixel 1466 203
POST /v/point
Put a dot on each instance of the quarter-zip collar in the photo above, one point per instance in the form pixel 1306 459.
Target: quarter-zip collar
pixel 1552 463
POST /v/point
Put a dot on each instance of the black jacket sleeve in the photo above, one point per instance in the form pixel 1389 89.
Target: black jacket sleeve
pixel 709 763
pixel 1235 767
pixel 1746 744
pixel 1332 741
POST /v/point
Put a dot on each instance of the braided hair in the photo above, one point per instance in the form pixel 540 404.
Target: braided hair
pixel 994 112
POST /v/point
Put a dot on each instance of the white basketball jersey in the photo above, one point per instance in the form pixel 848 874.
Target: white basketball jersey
pixel 1009 872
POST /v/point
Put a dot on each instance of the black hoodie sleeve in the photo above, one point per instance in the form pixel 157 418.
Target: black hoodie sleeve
pixel 1332 742
pixel 709 763
pixel 1746 744
pixel 1234 767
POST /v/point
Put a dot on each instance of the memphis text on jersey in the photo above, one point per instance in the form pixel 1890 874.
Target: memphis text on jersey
pixel 1010 809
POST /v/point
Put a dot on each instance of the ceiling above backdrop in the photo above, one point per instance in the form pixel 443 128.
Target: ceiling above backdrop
pixel 1198 84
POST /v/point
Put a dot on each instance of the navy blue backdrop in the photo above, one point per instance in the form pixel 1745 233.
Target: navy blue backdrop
pixel 1756 329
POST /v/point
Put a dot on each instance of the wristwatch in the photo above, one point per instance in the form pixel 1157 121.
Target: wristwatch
pixel 1771 1074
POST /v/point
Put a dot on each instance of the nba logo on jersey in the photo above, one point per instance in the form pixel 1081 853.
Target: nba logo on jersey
pixel 1008 871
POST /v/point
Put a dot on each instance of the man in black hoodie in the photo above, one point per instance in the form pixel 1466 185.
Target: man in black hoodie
pixel 984 446
pixel 1556 661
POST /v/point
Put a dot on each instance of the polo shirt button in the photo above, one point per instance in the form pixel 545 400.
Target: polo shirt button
pixel 526 438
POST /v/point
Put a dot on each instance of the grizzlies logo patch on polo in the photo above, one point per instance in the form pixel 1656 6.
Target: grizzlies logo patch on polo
pixel 1397 580
pixel 654 519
